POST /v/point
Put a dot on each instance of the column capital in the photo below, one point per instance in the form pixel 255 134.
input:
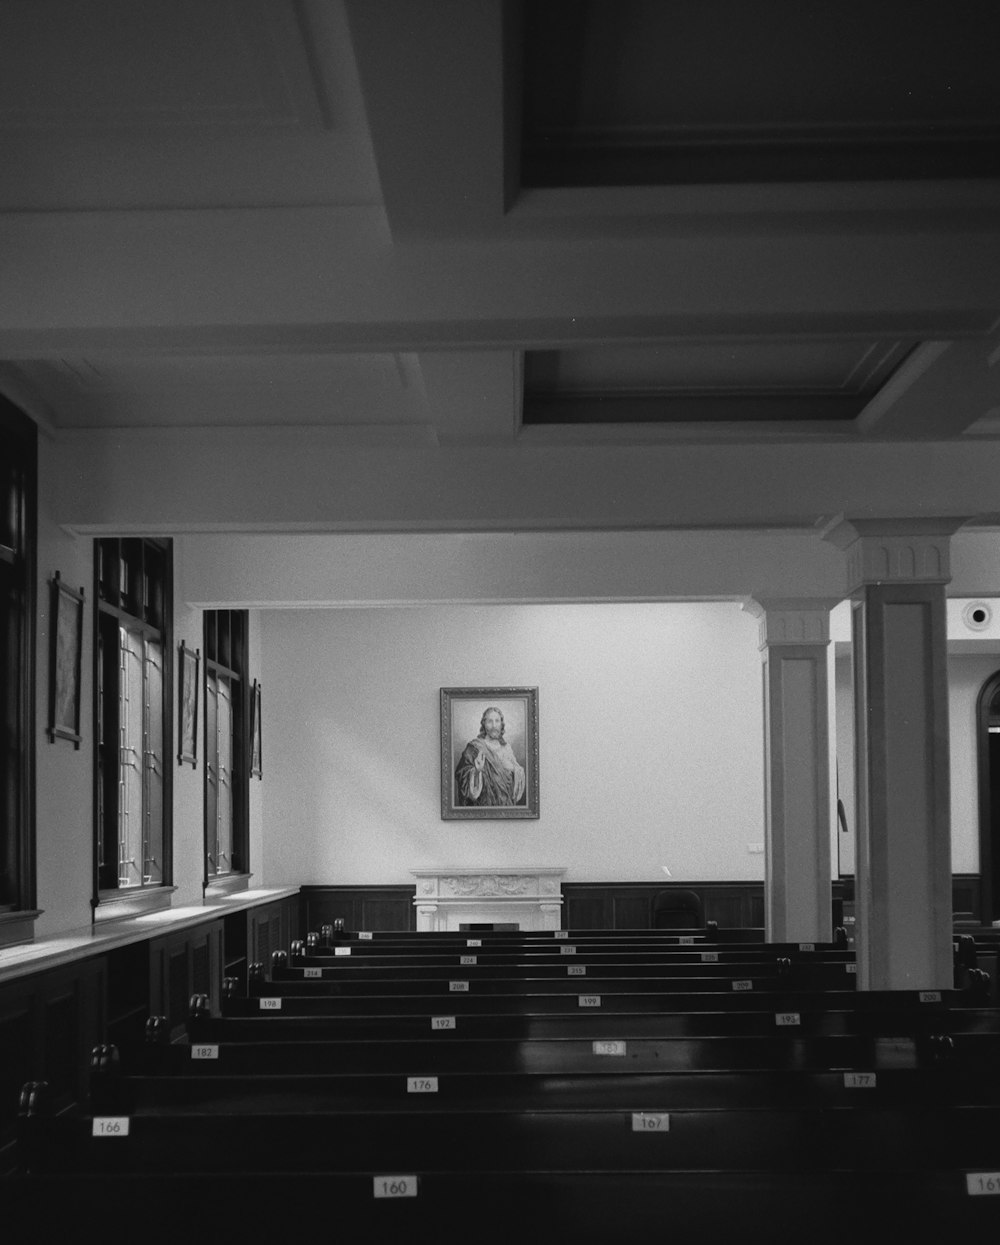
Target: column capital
pixel 792 620
pixel 895 551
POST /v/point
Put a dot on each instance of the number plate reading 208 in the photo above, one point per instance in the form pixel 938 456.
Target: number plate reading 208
pixel 395 1186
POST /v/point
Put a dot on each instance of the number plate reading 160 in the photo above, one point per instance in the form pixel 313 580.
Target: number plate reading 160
pixel 650 1122
pixel 110 1126
pixel 395 1186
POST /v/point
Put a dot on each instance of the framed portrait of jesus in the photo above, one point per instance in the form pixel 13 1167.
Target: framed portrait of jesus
pixel 489 753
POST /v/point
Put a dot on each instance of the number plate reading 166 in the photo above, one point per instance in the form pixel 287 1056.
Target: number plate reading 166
pixel 110 1126
pixel 650 1122
pixel 395 1186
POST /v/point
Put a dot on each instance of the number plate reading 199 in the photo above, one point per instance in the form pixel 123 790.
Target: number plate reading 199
pixel 442 1022
pixel 787 1018
pixel 609 1048
pixel 270 1004
pixel 312 973
pixel 204 1052
pixel 743 984
pixel 421 1085
pixel 860 1080
pixel 650 1122
pixel 395 1186
pixel 979 1183
pixel 110 1126
pixel 589 1000
pixel 458 987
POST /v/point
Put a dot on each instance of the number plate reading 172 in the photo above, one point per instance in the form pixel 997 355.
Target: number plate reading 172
pixel 980 1183
pixel 421 1085
pixel 395 1186
pixel 650 1122
pixel 110 1126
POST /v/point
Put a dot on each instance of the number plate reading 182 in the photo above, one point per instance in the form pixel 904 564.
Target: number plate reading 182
pixel 110 1126
pixel 743 983
pixel 650 1122
pixel 589 1000
pixel 395 1186
pixel 980 1183
pixel 421 1085
pixel 204 1052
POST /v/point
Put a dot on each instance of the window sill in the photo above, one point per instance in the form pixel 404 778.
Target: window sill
pixel 114 905
pixel 18 927
pixel 231 884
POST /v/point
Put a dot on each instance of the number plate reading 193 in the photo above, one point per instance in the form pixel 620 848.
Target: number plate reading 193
pixel 742 983
pixel 458 987
pixel 979 1183
pixel 650 1122
pixel 567 950
pixel 859 1080
pixel 609 1048
pixel 468 959
pixel 204 1052
pixel 312 973
pixel 365 935
pixel 787 1018
pixel 395 1186
pixel 270 1004
pixel 342 951
pixel 421 1085
pixel 442 1022
pixel 589 1000
pixel 110 1126
pixel 710 957
pixel 576 970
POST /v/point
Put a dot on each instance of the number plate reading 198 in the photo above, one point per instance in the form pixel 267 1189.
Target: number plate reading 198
pixel 204 1052
pixel 421 1085
pixel 312 973
pixel 458 987
pixel 929 996
pixel 395 1186
pixel 576 970
pixel 787 1018
pixel 442 1022
pixel 650 1122
pixel 110 1126
pixel 742 983
pixel 859 1080
pixel 342 951
pixel 710 957
pixel 567 950
pixel 468 959
pixel 270 1004
pixel 609 1048
pixel 979 1183
pixel 589 1000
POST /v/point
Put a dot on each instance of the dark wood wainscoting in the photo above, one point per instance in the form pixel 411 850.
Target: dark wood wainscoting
pixel 359 907
pixel 629 905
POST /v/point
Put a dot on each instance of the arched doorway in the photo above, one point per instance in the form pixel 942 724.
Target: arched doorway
pixel 988 749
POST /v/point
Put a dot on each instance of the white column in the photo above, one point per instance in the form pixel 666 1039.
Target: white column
pixel 800 800
pixel 427 917
pixel 897 574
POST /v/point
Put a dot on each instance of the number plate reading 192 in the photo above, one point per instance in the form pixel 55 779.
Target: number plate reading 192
pixel 204 1052
pixel 342 951
pixel 395 1186
pixel 567 950
pixel 929 996
pixel 710 957
pixel 576 970
pixel 787 1018
pixel 589 1000
pixel 609 1048
pixel 270 1004
pixel 458 987
pixel 442 1022
pixel 468 959
pixel 312 973
pixel 650 1122
pixel 742 983
pixel 859 1080
pixel 421 1085
pixel 979 1183
pixel 110 1126
pixel 365 935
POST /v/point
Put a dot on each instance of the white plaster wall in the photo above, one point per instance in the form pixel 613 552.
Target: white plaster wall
pixel 966 675
pixel 650 728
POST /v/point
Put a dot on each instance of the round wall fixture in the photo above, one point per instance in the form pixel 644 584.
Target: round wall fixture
pixel 977 615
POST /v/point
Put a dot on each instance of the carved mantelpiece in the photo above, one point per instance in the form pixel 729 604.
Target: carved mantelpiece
pixel 447 897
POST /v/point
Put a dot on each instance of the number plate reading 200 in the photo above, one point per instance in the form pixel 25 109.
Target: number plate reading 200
pixel 395 1186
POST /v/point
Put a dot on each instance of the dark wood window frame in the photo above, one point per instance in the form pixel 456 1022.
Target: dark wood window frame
pixel 226 649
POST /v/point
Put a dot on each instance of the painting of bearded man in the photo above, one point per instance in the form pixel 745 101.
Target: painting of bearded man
pixel 490 748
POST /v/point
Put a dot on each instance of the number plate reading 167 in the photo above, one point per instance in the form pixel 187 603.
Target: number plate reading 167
pixel 650 1122
pixel 395 1186
pixel 979 1183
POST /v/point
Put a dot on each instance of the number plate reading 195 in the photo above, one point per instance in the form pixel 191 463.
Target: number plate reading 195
pixel 609 1048
pixel 204 1052
pixel 342 951
pixel 110 1126
pixel 710 957
pixel 576 970
pixel 567 950
pixel 468 959
pixel 742 983
pixel 442 1022
pixel 458 987
pixel 365 935
pixel 979 1183
pixel 395 1186
pixel 787 1018
pixel 860 1080
pixel 650 1122
pixel 312 973
pixel 270 1004
pixel 589 1000
pixel 421 1085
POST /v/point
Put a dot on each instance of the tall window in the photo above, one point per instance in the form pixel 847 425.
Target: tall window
pixel 227 734
pixel 18 483
pixel 133 710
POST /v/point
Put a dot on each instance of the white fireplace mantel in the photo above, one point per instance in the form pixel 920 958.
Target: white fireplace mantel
pixel 450 896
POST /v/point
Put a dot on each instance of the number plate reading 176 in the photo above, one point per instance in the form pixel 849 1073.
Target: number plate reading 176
pixel 980 1183
pixel 421 1085
pixel 589 1000
pixel 110 1126
pixel 395 1186
pixel 650 1122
